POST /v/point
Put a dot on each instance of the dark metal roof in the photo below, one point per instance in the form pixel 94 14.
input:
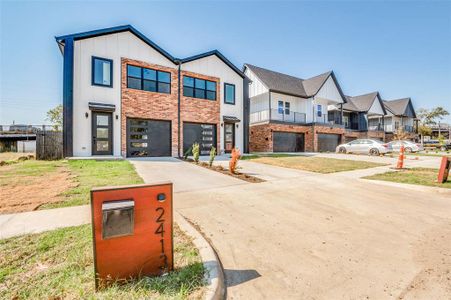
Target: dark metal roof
pixel 230 119
pixel 123 28
pixel 287 84
pixel 102 107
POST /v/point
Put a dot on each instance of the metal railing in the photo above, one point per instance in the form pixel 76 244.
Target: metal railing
pixel 27 129
pixel 376 127
pixel 264 115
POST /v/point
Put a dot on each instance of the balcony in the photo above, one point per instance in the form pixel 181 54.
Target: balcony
pixel 375 127
pixel 264 115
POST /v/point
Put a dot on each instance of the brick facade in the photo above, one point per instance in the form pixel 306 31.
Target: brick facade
pixel 160 106
pixel 261 137
pixel 371 134
pixel 200 110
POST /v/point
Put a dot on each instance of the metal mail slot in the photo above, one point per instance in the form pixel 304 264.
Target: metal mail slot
pixel 117 218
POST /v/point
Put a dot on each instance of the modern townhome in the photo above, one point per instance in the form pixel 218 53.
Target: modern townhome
pixel 400 115
pixel 290 114
pixel 363 116
pixel 123 95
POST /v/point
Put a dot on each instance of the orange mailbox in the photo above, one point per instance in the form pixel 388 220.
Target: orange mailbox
pixel 444 169
pixel 132 231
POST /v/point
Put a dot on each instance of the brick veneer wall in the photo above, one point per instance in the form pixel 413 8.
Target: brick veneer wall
pixel 365 135
pixel 148 105
pixel 200 110
pixel 261 138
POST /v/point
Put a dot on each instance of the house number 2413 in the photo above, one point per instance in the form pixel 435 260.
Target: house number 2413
pixel 160 231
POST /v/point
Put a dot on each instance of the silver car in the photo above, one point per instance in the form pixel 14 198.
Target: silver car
pixel 408 146
pixel 364 146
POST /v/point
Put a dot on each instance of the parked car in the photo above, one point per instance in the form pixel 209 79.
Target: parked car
pixel 365 146
pixel 436 145
pixel 409 146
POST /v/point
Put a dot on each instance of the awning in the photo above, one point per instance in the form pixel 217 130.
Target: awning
pixel 230 119
pixel 102 107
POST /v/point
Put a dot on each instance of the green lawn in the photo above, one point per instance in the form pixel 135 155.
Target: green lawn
pixel 59 265
pixel 314 164
pixel 419 176
pixel 93 173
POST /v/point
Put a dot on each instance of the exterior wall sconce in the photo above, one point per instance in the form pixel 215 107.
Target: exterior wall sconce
pixel 86 115
pixel 222 124
pixel 237 125
pixel 117 117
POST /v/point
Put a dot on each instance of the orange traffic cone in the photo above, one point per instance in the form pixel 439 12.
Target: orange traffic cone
pixel 401 157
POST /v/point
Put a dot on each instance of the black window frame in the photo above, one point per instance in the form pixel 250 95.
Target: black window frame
pixel 287 108
pixel 280 107
pixel 205 90
pixel 319 110
pixel 93 59
pixel 156 81
pixel 225 93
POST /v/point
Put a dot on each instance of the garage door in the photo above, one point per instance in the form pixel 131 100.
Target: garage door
pixel 203 134
pixel 147 138
pixel 288 142
pixel 328 142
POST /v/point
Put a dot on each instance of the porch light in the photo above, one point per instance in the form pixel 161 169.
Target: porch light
pixel 86 115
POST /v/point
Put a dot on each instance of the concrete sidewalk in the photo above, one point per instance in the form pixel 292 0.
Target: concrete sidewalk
pixel 43 220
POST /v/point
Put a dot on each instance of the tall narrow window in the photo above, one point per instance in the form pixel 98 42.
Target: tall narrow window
pixel 102 72
pixel 148 79
pixel 287 108
pixel 280 107
pixel 199 88
pixel 319 110
pixel 229 93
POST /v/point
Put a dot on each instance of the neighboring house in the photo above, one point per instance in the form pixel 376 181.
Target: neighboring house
pixel 290 114
pixel 362 116
pixel 400 115
pixel 126 96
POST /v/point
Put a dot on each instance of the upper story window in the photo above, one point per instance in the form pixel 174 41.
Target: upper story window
pixel 287 108
pixel 199 88
pixel 319 110
pixel 148 79
pixel 102 72
pixel 229 93
pixel 280 107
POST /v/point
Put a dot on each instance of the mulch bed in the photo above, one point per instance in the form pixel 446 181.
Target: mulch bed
pixel 221 169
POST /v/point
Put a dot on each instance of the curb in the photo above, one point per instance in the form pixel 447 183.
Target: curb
pixel 214 274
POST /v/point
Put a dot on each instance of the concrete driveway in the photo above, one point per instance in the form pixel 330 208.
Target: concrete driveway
pixel 320 237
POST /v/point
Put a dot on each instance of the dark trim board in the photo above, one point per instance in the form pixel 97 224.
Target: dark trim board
pixel 68 97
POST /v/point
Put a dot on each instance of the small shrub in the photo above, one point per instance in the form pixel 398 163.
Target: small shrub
pixel 212 156
pixel 234 160
pixel 196 152
pixel 188 152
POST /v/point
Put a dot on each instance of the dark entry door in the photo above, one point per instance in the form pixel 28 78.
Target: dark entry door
pixel 204 134
pixel 229 137
pixel 102 133
pixel 328 142
pixel 288 142
pixel 147 138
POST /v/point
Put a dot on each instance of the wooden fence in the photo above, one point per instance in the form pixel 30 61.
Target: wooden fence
pixel 49 145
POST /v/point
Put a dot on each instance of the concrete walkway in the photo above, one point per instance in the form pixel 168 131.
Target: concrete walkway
pixel 43 220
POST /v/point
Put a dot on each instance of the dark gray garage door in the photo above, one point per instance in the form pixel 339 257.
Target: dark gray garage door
pixel 148 138
pixel 328 142
pixel 204 134
pixel 288 142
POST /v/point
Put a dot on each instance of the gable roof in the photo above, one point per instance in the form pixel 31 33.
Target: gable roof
pixel 363 103
pixel 95 33
pixel 399 107
pixel 287 84
pixel 219 55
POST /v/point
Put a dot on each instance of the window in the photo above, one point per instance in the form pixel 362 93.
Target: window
pixel 148 80
pixel 346 121
pixel 319 110
pixel 102 72
pixel 280 107
pixel 287 108
pixel 229 93
pixel 199 88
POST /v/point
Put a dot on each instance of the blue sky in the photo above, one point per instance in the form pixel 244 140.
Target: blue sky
pixel 400 48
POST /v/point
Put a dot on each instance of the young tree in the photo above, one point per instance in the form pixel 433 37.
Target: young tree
pixel 55 115
pixel 429 117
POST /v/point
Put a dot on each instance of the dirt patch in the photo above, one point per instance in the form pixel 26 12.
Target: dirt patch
pixel 224 171
pixel 30 192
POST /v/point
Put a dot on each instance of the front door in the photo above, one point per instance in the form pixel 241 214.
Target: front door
pixel 229 137
pixel 102 133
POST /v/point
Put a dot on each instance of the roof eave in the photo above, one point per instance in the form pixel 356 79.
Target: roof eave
pixel 219 55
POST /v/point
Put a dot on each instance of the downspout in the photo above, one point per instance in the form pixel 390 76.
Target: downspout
pixel 178 108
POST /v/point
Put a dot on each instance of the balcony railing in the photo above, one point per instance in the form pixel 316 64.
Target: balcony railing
pixel 406 128
pixel 264 115
pixel 376 127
